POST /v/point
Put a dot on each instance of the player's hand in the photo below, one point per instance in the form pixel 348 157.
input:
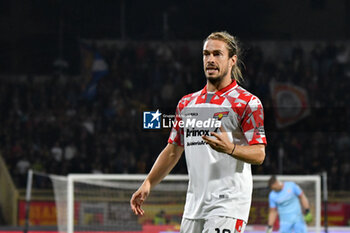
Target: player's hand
pixel 269 229
pixel 308 216
pixel 139 197
pixel 220 143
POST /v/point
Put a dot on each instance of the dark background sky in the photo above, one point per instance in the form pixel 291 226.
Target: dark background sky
pixel 33 31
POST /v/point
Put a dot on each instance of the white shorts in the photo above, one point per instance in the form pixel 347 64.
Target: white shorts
pixel 212 225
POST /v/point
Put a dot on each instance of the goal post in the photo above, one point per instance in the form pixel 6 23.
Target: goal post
pixel 123 183
pixel 100 202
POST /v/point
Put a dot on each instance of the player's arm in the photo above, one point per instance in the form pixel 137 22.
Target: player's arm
pixel 306 206
pixel 254 154
pixel 271 219
pixel 165 162
pixel 304 201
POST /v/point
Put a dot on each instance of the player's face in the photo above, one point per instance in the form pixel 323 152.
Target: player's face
pixel 277 186
pixel 216 61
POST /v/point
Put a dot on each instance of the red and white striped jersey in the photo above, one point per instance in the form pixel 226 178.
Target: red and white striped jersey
pixel 219 185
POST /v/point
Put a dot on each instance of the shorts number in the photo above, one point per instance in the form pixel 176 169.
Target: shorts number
pixel 223 231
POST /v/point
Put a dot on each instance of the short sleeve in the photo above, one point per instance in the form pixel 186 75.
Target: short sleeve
pixel 177 133
pixel 272 203
pixel 253 122
pixel 296 189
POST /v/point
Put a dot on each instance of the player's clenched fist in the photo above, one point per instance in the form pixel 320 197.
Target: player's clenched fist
pixel 139 197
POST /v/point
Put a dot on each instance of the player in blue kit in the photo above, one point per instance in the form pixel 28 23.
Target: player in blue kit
pixel 288 201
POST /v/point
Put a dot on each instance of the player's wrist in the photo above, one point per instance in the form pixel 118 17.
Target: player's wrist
pixel 231 149
pixel 306 211
pixel 147 184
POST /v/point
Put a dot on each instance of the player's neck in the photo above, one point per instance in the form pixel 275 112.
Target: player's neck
pixel 215 86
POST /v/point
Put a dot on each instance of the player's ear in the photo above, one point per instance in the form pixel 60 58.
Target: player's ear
pixel 233 60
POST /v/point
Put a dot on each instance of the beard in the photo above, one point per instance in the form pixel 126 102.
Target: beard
pixel 216 79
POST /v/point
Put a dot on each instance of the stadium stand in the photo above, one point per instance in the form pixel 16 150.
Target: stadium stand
pixel 49 126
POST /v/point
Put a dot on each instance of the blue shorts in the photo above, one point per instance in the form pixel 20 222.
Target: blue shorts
pixel 296 224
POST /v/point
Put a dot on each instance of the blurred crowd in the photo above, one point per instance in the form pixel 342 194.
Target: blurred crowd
pixel 48 125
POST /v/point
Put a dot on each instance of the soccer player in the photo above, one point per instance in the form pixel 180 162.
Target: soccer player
pixel 284 200
pixel 218 156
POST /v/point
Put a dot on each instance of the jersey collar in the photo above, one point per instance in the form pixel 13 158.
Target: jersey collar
pixel 221 91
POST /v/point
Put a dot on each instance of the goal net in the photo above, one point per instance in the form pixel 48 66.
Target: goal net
pixel 100 203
